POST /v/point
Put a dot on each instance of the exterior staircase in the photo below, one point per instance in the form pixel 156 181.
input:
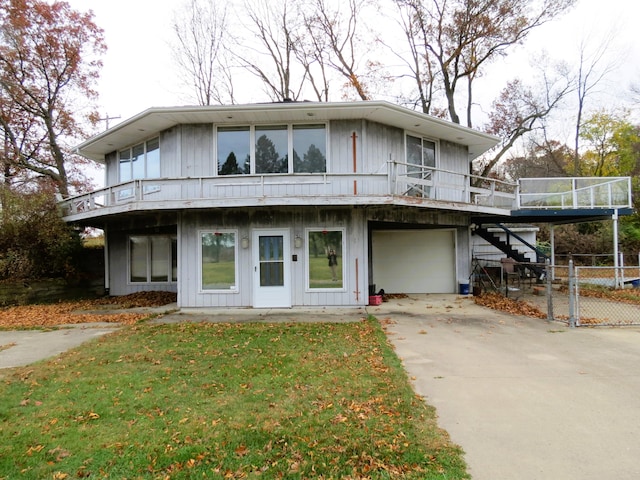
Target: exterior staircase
pixel 536 268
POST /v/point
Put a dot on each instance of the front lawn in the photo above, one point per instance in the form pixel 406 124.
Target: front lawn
pixel 223 401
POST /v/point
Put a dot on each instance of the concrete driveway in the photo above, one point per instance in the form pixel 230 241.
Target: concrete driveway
pixel 526 399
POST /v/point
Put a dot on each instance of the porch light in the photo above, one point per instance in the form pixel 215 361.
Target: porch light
pixel 297 242
pixel 244 243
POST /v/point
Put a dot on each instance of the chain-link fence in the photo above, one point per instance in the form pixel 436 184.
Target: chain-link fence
pixel 575 295
pixel 605 295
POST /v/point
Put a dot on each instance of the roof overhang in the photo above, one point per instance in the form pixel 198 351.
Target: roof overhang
pixel 154 120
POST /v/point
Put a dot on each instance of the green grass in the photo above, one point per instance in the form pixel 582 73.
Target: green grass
pixel 223 401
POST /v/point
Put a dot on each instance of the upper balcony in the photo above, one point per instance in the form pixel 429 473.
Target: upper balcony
pixel 399 184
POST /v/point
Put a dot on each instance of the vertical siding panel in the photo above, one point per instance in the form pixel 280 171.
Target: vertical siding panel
pixel 197 150
pixel 169 163
pixel 111 169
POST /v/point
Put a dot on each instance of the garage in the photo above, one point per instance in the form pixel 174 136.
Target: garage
pixel 414 261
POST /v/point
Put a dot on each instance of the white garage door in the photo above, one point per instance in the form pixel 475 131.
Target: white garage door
pixel 414 261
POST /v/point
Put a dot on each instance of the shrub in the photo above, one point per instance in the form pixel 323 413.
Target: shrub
pixel 34 241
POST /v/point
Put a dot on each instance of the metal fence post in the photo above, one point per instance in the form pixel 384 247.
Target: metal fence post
pixel 572 296
pixel 548 278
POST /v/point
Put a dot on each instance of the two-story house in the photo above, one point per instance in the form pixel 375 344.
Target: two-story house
pixel 287 204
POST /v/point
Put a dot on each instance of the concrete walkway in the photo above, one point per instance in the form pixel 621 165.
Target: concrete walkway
pixel 23 347
pixel 526 399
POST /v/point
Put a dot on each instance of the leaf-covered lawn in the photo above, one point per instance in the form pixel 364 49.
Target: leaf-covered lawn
pixel 223 401
pixel 107 309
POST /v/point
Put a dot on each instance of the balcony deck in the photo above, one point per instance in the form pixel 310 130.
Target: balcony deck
pixel 426 188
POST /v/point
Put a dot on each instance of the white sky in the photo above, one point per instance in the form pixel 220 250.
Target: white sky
pixel 138 67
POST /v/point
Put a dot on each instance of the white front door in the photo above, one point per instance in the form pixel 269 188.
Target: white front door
pixel 271 269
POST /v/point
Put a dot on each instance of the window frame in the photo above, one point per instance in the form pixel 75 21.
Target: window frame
pixel 234 288
pixel 423 138
pixel 290 127
pixel 341 261
pixel 149 260
pixel 145 155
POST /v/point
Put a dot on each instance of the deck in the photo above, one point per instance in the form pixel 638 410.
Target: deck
pixel 428 188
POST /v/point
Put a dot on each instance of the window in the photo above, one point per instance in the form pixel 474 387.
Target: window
pixel 140 161
pixel 153 259
pixel 218 260
pixel 421 159
pixel 325 259
pixel 272 149
pixel 234 152
pixel 309 149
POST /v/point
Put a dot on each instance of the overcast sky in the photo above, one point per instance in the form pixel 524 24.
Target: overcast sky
pixel 138 67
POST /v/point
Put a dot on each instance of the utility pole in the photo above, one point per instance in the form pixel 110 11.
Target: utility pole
pixel 106 120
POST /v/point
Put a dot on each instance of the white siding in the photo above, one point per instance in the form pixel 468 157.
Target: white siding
pixel 454 158
pixel 297 221
pixel 196 151
pixel 118 270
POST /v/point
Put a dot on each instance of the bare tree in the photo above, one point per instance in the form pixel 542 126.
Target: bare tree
pixel 275 27
pixel 422 69
pixel 543 158
pixel 520 109
pixel 337 41
pixel 462 36
pixel 201 33
pixel 591 72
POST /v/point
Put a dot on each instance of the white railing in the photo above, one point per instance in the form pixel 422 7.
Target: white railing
pixel 241 189
pixel 574 193
pixel 447 185
pixel 407 181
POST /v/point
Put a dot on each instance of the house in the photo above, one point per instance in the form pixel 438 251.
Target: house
pixel 287 204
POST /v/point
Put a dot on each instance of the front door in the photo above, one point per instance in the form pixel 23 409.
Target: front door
pixel 271 273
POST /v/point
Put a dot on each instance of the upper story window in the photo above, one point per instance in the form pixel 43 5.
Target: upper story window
pixel 140 161
pixel 421 162
pixel 421 153
pixel 272 149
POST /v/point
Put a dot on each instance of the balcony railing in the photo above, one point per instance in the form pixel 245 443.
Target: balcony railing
pixel 403 182
pixel 574 193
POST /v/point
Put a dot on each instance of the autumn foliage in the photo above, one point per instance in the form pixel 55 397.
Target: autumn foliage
pixel 34 241
pixel 126 310
pixel 49 64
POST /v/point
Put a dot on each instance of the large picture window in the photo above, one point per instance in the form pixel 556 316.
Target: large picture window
pixel 234 150
pixel 218 260
pixel 325 259
pixel 309 149
pixel 268 149
pixel 272 149
pixel 153 259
